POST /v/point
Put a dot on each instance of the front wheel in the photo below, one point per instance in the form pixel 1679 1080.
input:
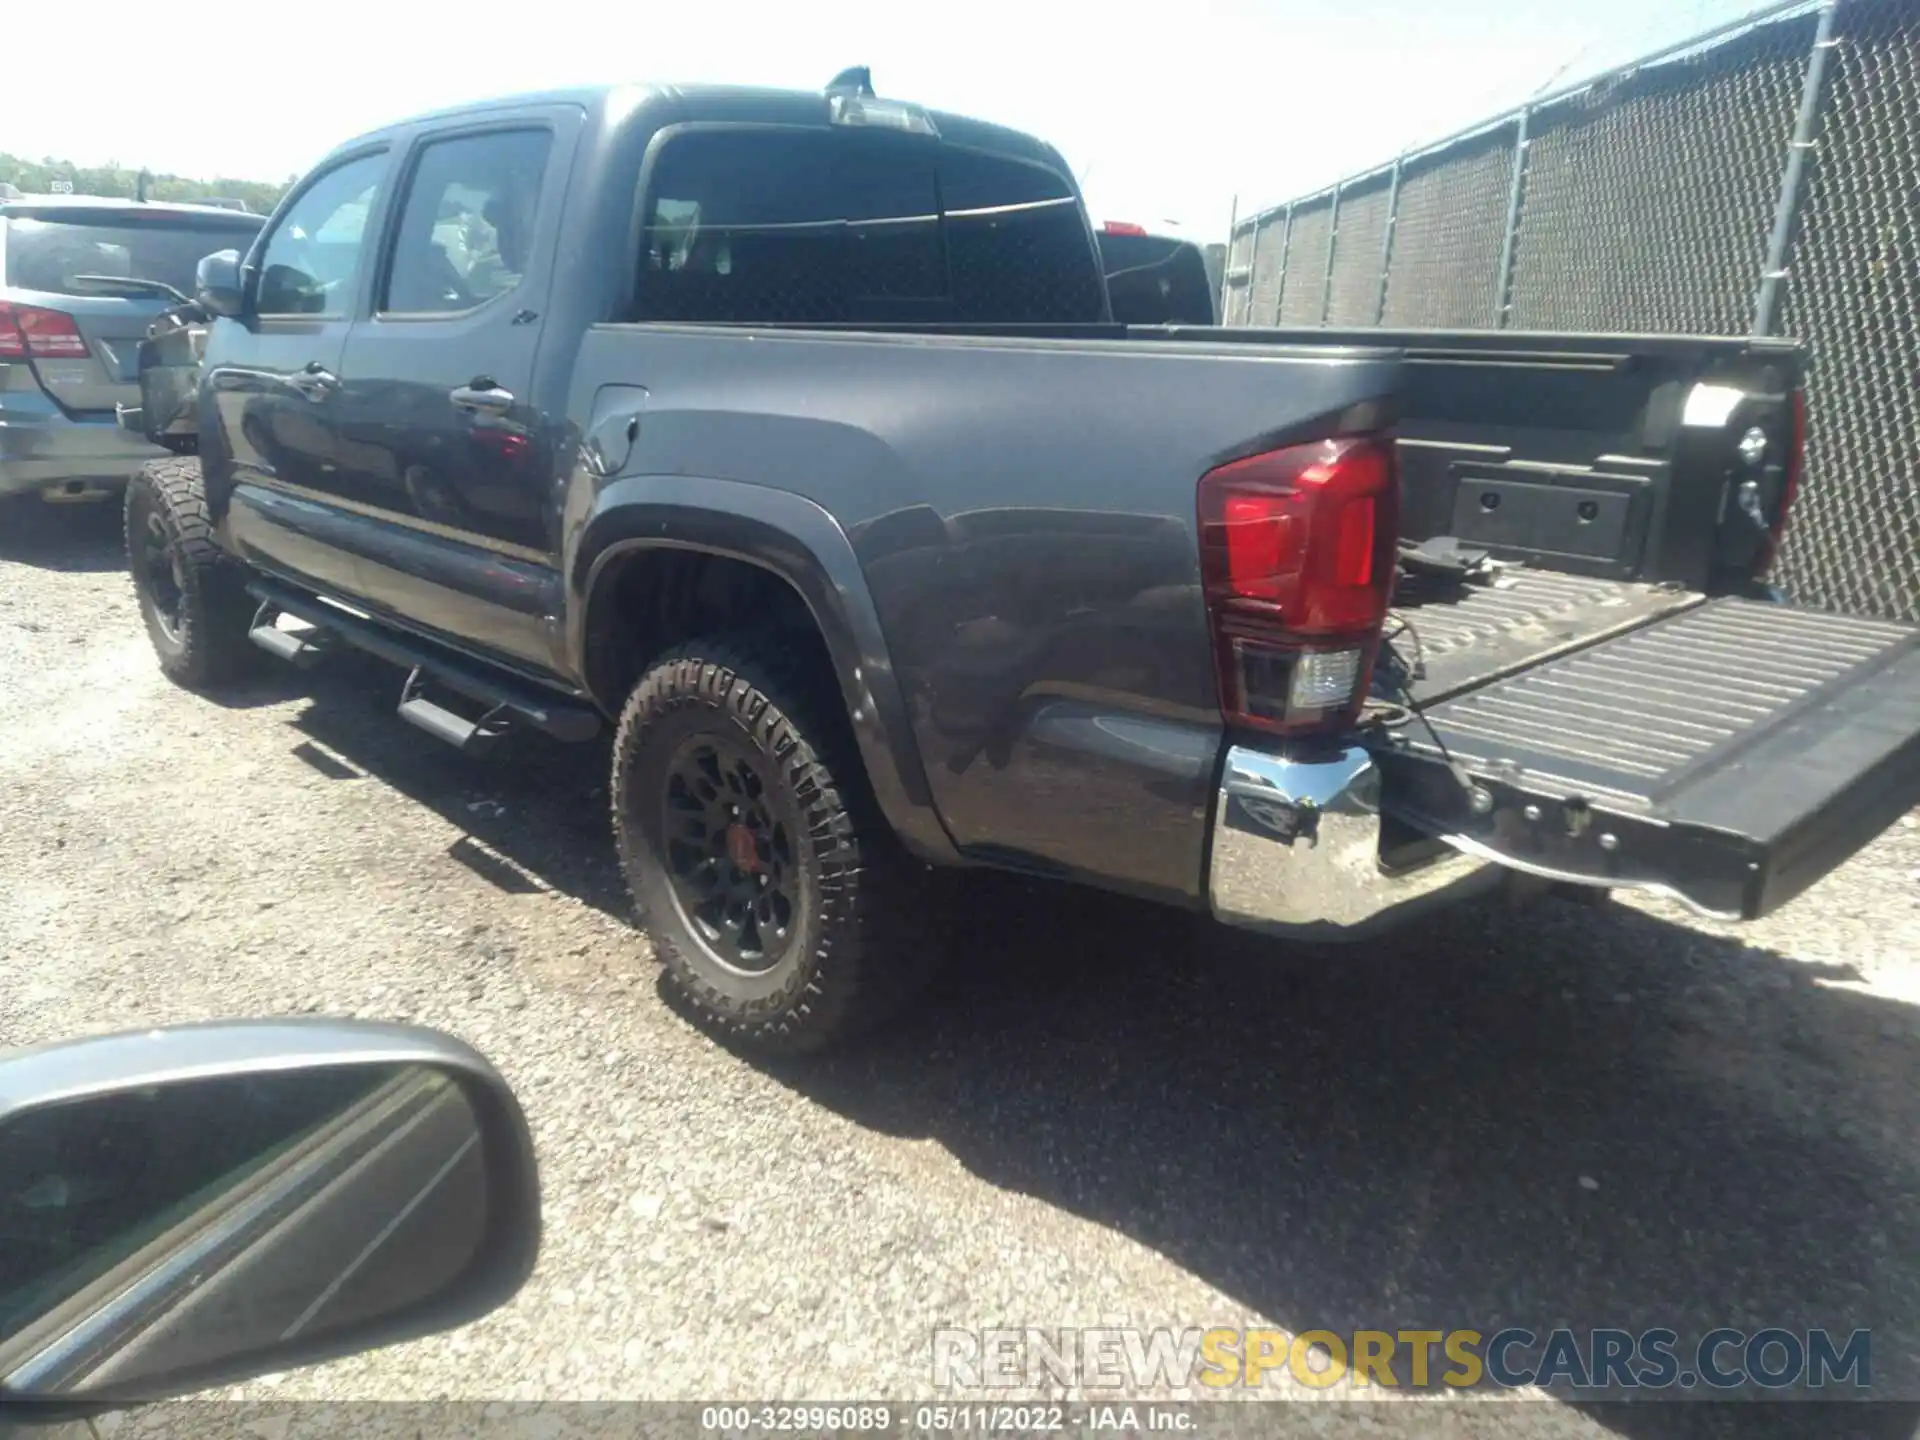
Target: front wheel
pixel 784 908
pixel 192 594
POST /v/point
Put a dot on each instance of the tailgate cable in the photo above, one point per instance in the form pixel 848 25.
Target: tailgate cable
pixel 1395 715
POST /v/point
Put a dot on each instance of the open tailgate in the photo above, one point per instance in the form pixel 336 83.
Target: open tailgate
pixel 1730 754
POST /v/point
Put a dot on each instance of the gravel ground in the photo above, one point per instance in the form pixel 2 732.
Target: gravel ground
pixel 1110 1115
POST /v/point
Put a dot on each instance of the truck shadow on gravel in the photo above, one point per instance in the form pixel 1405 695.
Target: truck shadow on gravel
pixel 1393 1135
pixel 79 539
pixel 537 809
pixel 1562 1115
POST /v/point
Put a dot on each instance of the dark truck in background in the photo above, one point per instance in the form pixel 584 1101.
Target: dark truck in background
pixel 1155 279
pixel 793 436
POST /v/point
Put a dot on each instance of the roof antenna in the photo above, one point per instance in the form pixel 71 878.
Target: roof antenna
pixel 854 80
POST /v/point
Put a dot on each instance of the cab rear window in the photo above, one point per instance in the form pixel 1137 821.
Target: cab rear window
pixel 817 226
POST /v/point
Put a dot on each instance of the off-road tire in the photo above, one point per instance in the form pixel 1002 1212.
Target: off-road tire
pixel 862 943
pixel 206 641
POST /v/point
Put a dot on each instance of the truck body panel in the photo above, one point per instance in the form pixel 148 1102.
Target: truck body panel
pixel 1032 556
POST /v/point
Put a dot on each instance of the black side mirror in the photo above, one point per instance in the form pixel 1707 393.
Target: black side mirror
pixel 219 285
pixel 193 1206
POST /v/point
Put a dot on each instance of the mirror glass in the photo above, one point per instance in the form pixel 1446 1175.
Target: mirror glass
pixel 148 1233
pixel 216 282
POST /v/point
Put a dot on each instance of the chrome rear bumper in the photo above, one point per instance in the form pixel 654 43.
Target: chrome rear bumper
pixel 1296 849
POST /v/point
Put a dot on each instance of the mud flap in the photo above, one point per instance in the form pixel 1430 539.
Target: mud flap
pixel 1730 755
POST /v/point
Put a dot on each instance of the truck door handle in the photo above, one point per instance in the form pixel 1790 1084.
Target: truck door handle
pixel 481 395
pixel 316 382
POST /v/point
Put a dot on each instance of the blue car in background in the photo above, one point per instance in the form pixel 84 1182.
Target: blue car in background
pixel 81 279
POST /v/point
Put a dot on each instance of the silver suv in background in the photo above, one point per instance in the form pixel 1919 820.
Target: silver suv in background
pixel 81 278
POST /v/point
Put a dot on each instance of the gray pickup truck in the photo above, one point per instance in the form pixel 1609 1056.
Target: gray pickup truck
pixel 791 436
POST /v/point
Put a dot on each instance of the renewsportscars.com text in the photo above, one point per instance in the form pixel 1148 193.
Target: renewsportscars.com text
pixel 1512 1358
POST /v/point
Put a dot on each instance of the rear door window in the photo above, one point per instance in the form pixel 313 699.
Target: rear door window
pixel 467 221
pixel 48 252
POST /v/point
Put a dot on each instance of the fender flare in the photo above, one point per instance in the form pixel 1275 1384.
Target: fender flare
pixel 794 539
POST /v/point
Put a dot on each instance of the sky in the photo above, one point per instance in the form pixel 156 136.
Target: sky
pixel 1168 110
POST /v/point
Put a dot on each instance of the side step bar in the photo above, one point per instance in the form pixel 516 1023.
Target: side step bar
pixel 472 737
pixel 301 651
pixel 509 699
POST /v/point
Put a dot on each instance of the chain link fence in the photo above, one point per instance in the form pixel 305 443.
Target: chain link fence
pixel 1667 197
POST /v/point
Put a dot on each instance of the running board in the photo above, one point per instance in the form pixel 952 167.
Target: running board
pixel 301 651
pixel 470 737
pixel 508 698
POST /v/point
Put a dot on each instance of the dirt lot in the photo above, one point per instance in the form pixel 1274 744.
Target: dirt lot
pixel 1111 1115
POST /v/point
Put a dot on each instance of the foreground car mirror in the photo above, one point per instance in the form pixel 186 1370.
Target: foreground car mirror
pixel 218 285
pixel 196 1205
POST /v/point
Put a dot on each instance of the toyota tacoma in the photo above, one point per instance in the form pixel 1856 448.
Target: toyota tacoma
pixel 791 437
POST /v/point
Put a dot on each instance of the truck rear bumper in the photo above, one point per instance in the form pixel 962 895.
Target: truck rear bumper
pixel 1297 849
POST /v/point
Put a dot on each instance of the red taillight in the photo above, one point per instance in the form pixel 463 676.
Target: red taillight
pixel 1297 564
pixel 29 331
pixel 1122 227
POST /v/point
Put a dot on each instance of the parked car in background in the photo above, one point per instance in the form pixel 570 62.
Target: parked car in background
pixel 1155 279
pixel 81 279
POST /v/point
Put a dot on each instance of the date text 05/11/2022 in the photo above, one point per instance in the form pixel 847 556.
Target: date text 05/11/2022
pixel 745 1420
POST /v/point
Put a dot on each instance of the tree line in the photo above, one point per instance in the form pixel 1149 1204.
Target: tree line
pixel 40 177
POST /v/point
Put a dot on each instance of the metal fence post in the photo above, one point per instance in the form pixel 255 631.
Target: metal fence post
pixel 1253 261
pixel 1793 183
pixel 1226 266
pixel 1386 242
pixel 1286 254
pixel 1333 243
pixel 1516 191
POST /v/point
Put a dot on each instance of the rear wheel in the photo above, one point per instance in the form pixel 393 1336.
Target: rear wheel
pixel 783 906
pixel 192 594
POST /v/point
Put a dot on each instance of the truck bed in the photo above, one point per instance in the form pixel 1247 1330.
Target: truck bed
pixel 1607 456
pixel 1457 637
